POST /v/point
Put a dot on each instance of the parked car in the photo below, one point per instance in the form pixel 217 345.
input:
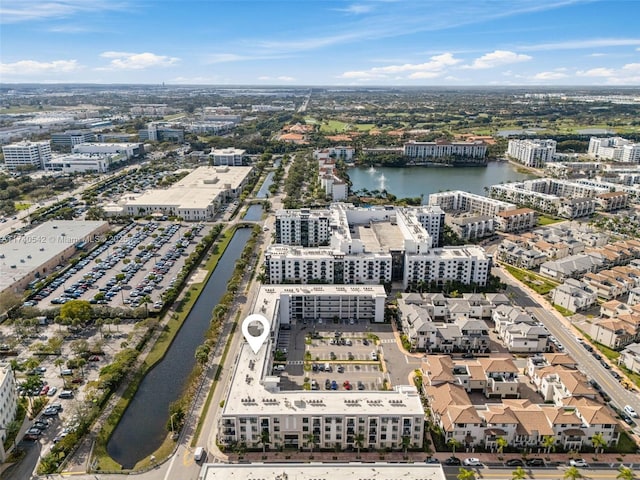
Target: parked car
pixel 629 410
pixel 452 461
pixel 514 462
pixel 578 462
pixel 472 461
pixel 535 462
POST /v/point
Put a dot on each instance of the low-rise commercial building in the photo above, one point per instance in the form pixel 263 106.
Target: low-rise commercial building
pixel 35 254
pixel 197 197
pixel 130 150
pixel 232 157
pixel 69 138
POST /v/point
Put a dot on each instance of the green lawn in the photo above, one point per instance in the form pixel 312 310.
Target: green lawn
pixel 362 127
pixel 537 283
pixel 544 220
pixel 333 126
pixel 22 205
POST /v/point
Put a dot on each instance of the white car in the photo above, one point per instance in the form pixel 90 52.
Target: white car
pixel 472 462
pixel 578 463
pixel 629 410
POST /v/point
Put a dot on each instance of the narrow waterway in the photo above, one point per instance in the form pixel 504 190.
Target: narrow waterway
pixel 142 428
pixel 254 213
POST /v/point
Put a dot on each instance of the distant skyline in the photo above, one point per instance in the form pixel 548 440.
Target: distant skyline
pixel 315 42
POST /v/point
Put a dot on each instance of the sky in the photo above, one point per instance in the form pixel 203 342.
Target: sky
pixel 321 42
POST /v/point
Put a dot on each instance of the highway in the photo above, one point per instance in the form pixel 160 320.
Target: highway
pixel 568 336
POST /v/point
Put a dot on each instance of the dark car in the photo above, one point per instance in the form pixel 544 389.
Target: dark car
pixel 514 462
pixel 431 460
pixel 468 355
pixel 535 462
pixel 628 420
pixel 452 461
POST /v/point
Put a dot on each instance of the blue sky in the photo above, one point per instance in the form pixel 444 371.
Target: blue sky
pixel 315 42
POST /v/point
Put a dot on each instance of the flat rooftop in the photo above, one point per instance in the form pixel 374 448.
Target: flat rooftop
pixel 197 190
pixel 321 471
pixel 23 254
pixel 254 391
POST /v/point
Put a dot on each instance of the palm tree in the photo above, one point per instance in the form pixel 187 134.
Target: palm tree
pixel 518 474
pixel 501 442
pixel 406 441
pixel 572 473
pixel 265 439
pixel 453 443
pixel 465 474
pixel 598 442
pixel 625 473
pixel 549 443
pixel 311 439
pixel 359 441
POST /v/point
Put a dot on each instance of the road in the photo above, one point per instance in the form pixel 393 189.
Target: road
pixel 568 336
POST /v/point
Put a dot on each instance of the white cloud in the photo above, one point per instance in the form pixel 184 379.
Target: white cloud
pixel 33 67
pixel 435 67
pixel 550 76
pixel 356 9
pixel 596 72
pixel 498 58
pixel 26 11
pixel 597 54
pixel 137 61
pixel 579 44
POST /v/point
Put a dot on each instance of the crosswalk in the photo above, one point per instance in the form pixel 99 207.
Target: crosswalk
pixel 388 340
pixel 295 362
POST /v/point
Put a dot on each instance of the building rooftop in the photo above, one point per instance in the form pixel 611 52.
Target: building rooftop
pixel 320 471
pixel 197 190
pixel 23 254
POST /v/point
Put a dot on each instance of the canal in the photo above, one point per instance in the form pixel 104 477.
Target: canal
pixel 142 428
pixel 417 181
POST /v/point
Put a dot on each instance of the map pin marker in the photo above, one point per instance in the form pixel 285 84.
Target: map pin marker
pixel 255 342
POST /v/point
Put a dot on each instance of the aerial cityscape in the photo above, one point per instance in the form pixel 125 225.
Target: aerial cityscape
pixel 295 240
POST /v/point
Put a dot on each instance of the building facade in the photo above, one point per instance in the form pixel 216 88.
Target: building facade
pixel 232 157
pixel 443 148
pixel 532 153
pixel 26 154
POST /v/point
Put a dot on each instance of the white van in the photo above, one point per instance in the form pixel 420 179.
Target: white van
pixel 199 454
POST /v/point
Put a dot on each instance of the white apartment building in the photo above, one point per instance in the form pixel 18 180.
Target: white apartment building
pixel 574 295
pixel 231 157
pixel 614 148
pixel 339 153
pixel 532 153
pixel 369 245
pixel 443 148
pixel 303 227
pixel 517 220
pixel 130 150
pixel 256 403
pixel 27 154
pixel 519 331
pixel 8 402
pixel 460 201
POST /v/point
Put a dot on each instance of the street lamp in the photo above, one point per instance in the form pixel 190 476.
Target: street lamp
pixel 173 433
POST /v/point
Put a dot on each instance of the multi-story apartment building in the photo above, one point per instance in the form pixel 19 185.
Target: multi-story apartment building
pixel 460 201
pixel 519 331
pixel 574 295
pixel 516 220
pixel 471 227
pixel 614 148
pixel 26 154
pixel 611 201
pixel 70 138
pixel 303 227
pixel 231 157
pixel 532 153
pixel 369 246
pixel 255 405
pixel 339 153
pixel 8 402
pixel 444 148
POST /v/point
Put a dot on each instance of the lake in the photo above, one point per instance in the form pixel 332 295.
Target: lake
pixel 416 181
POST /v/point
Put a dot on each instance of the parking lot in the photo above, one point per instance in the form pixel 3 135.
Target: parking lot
pixel 340 356
pixel 134 267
